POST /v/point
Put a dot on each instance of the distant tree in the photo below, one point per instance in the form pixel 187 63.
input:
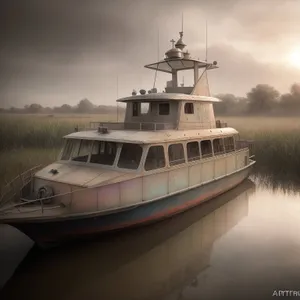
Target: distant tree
pixel 85 106
pixel 13 109
pixel 295 90
pixel 228 101
pixel 65 108
pixel 47 110
pixel 35 108
pixel 262 99
pixel 290 102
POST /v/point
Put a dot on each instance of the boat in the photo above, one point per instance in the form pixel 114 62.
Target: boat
pixel 168 155
pixel 164 260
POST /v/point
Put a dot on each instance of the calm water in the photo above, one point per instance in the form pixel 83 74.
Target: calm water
pixel 242 245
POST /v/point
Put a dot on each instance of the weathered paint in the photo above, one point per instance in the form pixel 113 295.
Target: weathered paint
pixel 152 137
pixel 60 230
pixel 178 179
pixel 168 97
pixel 155 185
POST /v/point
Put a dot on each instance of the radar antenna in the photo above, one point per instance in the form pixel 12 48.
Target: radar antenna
pixel 155 75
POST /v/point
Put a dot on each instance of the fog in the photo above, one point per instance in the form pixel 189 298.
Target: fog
pixel 55 52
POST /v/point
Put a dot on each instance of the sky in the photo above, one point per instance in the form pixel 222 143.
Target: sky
pixel 56 52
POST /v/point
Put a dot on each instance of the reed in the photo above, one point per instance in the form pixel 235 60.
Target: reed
pixel 277 144
pixel 28 140
pixel 42 131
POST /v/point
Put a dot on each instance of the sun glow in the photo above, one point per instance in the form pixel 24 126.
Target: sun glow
pixel 294 57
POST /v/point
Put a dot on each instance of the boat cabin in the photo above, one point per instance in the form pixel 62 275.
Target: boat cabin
pixel 145 151
pixel 164 111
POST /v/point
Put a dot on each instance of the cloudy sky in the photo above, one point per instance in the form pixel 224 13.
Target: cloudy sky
pixel 55 52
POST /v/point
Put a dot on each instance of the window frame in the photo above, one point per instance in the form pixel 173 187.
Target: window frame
pixel 104 165
pixel 189 108
pixel 234 147
pixel 80 144
pixel 135 105
pixel 67 141
pixel 169 108
pixel 187 152
pixel 184 156
pixel 120 153
pixel 146 155
pixel 211 148
pixel 218 153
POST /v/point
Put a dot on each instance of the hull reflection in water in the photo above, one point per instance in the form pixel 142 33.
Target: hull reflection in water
pixel 153 262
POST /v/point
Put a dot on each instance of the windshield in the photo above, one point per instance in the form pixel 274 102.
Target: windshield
pixel 130 156
pixel 81 151
pixel 77 150
pixel 104 153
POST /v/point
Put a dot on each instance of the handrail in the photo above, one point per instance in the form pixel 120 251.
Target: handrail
pixel 14 186
pixel 41 200
pixel 155 126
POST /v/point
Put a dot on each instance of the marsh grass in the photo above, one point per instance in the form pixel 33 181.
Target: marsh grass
pixel 42 131
pixel 277 144
pixel 15 162
pixel 28 140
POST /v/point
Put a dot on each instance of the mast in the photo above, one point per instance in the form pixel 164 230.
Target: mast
pixel 206 40
pixel 117 98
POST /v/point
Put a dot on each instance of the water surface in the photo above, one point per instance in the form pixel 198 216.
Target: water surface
pixel 244 244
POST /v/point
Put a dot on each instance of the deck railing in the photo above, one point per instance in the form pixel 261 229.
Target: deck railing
pixel 12 191
pixel 151 126
pixel 241 144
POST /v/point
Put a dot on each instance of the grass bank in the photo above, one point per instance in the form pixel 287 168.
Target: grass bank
pixel 277 144
pixel 28 140
pixel 41 131
pixel 17 161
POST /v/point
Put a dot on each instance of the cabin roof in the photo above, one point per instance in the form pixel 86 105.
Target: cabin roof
pixel 151 137
pixel 179 64
pixel 168 97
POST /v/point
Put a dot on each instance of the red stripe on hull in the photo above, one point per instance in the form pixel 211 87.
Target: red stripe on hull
pixel 172 211
pixel 156 217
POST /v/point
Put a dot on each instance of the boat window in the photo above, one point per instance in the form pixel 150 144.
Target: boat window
pixel 130 156
pixel 229 144
pixel 135 109
pixel 145 108
pixel 176 154
pixel 66 154
pixel 152 107
pixel 81 151
pixel 188 108
pixel 193 151
pixel 218 146
pixel 206 148
pixel 104 153
pixel 164 109
pixel 155 158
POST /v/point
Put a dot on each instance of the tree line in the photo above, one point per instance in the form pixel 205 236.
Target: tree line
pixel 83 106
pixel 261 100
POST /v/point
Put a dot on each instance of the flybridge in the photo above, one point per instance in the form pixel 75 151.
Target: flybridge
pixel 179 60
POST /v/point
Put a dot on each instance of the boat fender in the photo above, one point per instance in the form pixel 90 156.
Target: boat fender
pixel 45 193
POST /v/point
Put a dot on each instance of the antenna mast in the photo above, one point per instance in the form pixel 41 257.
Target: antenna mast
pixel 157 58
pixel 117 98
pixel 206 40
